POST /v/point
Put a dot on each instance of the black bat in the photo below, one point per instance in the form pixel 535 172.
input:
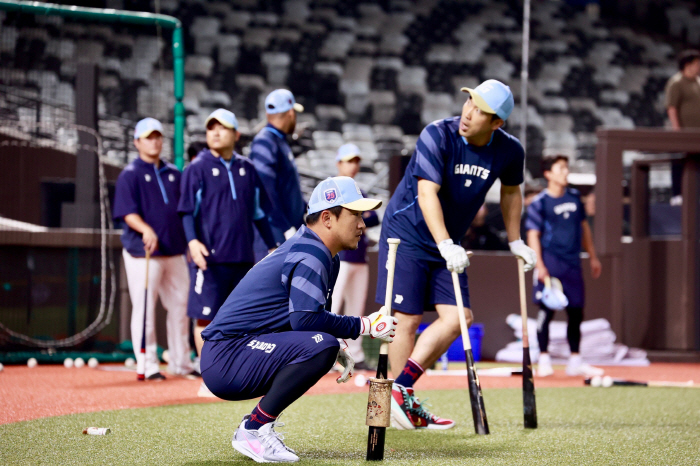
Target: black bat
pixel 141 372
pixel 476 398
pixel 529 405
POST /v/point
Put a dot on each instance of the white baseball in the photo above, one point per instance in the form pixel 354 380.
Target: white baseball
pixel 79 362
pixel 93 363
pixel 1 367
pixel 596 381
pixel 360 380
pixel 68 363
pixel 607 381
pixel 31 363
pixel 166 356
pixel 129 362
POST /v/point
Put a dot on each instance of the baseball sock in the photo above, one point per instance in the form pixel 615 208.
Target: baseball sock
pixel 410 374
pixel 258 418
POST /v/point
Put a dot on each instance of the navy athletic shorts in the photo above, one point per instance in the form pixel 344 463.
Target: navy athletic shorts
pixel 210 288
pixel 570 276
pixel 418 284
pixel 245 367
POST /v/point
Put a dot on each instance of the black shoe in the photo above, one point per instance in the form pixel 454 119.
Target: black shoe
pixel 363 366
pixel 194 375
pixel 157 377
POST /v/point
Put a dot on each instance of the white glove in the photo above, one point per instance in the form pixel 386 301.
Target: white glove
pixel 346 360
pixel 454 254
pixel 378 325
pixel 522 250
pixel 289 233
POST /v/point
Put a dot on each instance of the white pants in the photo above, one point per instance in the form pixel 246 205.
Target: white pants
pixel 168 279
pixel 351 289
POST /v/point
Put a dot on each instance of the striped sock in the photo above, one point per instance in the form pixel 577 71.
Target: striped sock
pixel 258 418
pixel 410 374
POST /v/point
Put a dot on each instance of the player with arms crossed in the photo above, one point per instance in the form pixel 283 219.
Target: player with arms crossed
pixel 275 336
pixel 556 229
pixel 455 163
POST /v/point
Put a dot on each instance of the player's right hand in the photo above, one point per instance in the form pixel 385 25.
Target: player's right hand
pixel 455 256
pixel 198 251
pixel 542 271
pixel 150 240
pixel 379 325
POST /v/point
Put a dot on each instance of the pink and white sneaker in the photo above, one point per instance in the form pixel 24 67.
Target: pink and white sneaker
pixel 263 445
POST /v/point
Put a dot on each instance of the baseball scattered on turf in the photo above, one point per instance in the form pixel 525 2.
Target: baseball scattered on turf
pixel 129 362
pixel 79 362
pixel 596 381
pixel 31 363
pixel 607 381
pixel 68 363
pixel 1 367
pixel 93 363
pixel 166 356
pixel 360 380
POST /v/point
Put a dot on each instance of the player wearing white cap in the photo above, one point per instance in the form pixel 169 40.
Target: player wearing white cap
pixel 273 158
pixel 146 198
pixel 455 163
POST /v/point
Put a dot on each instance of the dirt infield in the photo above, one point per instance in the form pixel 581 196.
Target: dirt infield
pixel 44 391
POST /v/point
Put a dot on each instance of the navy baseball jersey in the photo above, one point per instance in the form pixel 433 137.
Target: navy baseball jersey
pixel 152 193
pixel 290 289
pixel 274 162
pixel 558 219
pixel 464 172
pixel 225 198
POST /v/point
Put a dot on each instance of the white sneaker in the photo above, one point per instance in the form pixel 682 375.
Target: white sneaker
pixel 544 366
pixel 204 391
pixel 576 367
pixel 263 445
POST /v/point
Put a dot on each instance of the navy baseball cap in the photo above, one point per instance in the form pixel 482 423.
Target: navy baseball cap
pixel 347 152
pixel 493 96
pixel 145 127
pixel 223 116
pixel 340 191
pixel 280 101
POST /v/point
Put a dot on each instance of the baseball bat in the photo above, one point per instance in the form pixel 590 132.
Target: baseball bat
pixel 141 372
pixel 481 424
pixel 529 405
pixel 375 439
pixel 648 383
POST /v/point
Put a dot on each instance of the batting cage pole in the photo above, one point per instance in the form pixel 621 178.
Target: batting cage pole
pixel 524 74
pixel 129 17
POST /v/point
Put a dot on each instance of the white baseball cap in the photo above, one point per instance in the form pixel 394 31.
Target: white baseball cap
pixel 223 116
pixel 280 101
pixel 145 127
pixel 340 191
pixel 553 294
pixel 347 152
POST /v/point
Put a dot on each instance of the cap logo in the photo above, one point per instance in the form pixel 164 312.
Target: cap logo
pixel 331 195
pixel 358 189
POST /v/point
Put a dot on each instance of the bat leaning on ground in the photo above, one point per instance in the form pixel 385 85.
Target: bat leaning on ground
pixel 647 383
pixel 529 405
pixel 476 398
pixel 375 439
pixel 141 369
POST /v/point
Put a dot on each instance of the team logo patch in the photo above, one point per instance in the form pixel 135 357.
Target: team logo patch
pixel 262 346
pixel 467 183
pixel 171 177
pixel 330 194
pixel 380 327
pixel 318 338
pixel 241 171
pixel 215 171
pixel 148 177
pixel 398 299
pixel 206 311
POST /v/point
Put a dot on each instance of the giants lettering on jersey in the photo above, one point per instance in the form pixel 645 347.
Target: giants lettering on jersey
pixel 565 207
pixel 262 346
pixel 466 169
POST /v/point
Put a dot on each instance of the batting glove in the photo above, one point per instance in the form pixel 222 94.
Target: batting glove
pixel 455 256
pixel 346 360
pixel 378 325
pixel 520 249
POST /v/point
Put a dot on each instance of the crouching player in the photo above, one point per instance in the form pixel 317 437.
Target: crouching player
pixel 275 336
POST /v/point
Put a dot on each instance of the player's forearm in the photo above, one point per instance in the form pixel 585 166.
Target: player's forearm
pixel 188 226
pixel 673 117
pixel 432 210
pixel 136 223
pixel 533 240
pixel 322 321
pixel 511 208
pixel 587 239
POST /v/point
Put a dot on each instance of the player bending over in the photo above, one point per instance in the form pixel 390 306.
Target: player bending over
pixel 275 336
pixel 556 229
pixel 455 163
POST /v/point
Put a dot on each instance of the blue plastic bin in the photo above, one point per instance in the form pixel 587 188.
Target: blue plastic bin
pixel 456 352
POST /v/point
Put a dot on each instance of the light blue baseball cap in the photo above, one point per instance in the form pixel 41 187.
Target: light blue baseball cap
pixel 493 96
pixel 145 127
pixel 347 152
pixel 340 191
pixel 280 101
pixel 223 116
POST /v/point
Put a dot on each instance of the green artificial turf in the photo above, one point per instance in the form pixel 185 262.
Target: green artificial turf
pixel 620 425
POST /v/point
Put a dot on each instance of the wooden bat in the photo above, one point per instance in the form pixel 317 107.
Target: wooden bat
pixel 529 405
pixel 375 439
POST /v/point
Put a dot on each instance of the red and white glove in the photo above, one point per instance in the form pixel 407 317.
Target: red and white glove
pixel 378 325
pixel 346 360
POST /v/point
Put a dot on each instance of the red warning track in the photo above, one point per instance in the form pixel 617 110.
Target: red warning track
pixel 45 391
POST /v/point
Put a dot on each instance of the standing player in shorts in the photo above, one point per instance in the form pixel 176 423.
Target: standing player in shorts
pixel 146 200
pixel 556 229
pixel 222 197
pixel 274 336
pixel 353 277
pixel 455 163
